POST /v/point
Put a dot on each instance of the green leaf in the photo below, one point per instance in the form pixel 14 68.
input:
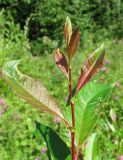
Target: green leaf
pixel 92 148
pixel 30 89
pixel 57 149
pixel 87 109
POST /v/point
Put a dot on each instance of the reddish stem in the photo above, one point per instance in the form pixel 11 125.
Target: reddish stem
pixel 72 111
pixel 72 145
pixel 77 154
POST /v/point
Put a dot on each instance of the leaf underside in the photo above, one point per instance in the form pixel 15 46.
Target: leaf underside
pixel 92 148
pixel 61 62
pixel 30 89
pixel 87 109
pixel 90 67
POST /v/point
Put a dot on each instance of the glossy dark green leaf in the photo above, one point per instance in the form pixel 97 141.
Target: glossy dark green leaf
pixel 57 148
pixel 87 109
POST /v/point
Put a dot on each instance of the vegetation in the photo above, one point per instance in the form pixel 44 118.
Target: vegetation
pixel 18 139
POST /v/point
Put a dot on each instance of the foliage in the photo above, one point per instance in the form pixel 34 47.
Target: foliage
pixel 13 41
pixel 57 150
pixel 87 109
pixel 17 123
pixel 29 89
pixel 81 119
pixel 102 18
pixel 109 141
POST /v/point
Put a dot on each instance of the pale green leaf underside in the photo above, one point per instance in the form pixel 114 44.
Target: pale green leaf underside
pixel 92 148
pixel 29 89
pixel 87 109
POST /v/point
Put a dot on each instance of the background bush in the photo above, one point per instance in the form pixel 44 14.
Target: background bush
pixel 46 18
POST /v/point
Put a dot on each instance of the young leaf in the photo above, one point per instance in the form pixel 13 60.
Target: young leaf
pixel 30 89
pixel 67 31
pixel 61 62
pixel 91 66
pixel 87 109
pixel 92 148
pixel 74 41
pixel 57 149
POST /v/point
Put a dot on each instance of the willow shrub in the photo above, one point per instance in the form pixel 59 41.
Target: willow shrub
pixel 83 105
